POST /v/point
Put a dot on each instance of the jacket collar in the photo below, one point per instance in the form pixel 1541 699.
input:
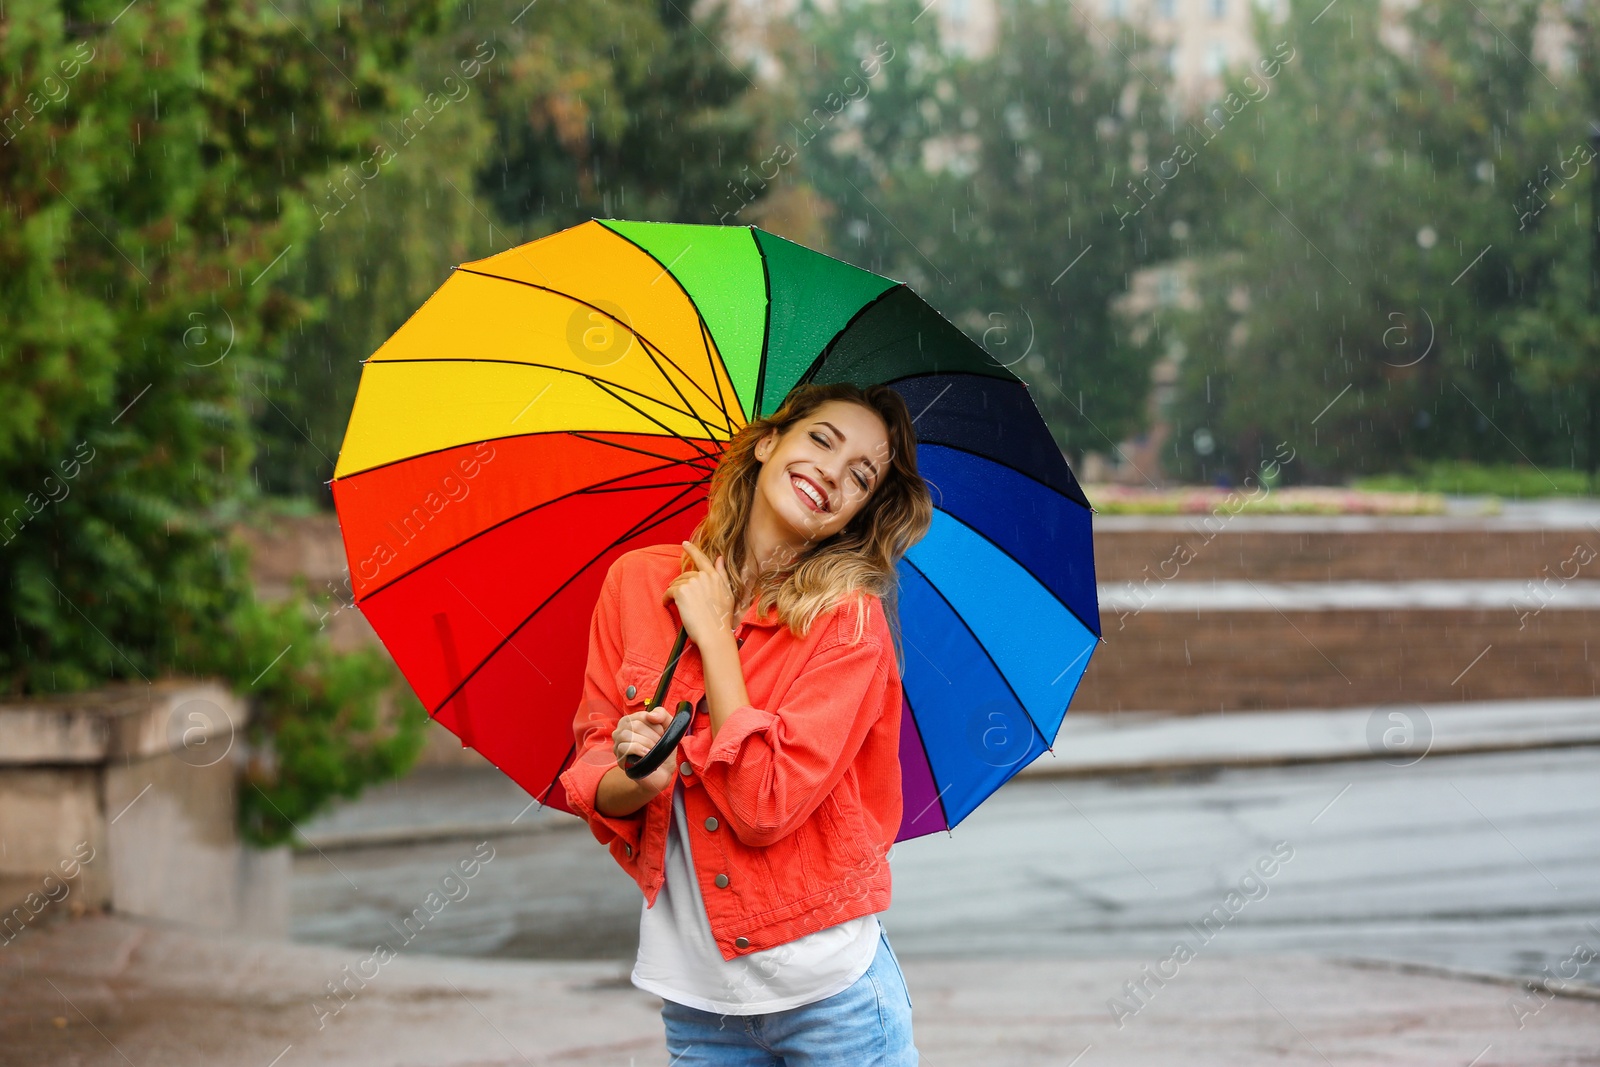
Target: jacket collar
pixel 752 619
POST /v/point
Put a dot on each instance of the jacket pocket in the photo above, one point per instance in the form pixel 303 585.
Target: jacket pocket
pixel 834 842
pixel 636 684
pixel 844 807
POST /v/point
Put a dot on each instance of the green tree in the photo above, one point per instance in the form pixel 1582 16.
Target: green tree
pixel 1367 251
pixel 997 186
pixel 618 109
pixel 1555 335
pixel 158 169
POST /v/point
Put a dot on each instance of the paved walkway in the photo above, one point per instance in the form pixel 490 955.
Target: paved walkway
pixel 110 993
pixel 1399 733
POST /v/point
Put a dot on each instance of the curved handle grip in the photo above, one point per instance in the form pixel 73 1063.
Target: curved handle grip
pixel 636 767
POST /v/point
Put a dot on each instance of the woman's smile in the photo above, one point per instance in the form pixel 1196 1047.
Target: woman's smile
pixel 810 492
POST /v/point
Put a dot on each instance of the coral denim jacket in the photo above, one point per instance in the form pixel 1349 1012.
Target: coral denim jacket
pixel 794 805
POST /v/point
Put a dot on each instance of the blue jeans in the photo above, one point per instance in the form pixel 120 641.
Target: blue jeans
pixel 867 1025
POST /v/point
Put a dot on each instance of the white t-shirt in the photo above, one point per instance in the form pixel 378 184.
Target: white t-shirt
pixel 679 959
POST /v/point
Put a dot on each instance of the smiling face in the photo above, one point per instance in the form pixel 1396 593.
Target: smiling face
pixel 818 475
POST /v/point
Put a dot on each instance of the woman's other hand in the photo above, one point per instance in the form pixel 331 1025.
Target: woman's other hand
pixel 704 597
pixel 636 734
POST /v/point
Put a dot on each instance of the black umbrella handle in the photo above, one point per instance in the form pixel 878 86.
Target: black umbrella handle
pixel 636 766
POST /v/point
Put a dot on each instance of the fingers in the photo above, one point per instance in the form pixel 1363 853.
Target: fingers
pixel 700 558
pixel 638 732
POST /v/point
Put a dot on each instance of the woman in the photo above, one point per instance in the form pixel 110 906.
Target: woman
pixel 761 847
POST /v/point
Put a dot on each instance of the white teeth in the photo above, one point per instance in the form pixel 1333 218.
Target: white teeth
pixel 809 490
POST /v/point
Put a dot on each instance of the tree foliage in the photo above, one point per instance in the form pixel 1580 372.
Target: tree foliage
pixel 1379 281
pixel 996 186
pixel 651 125
pixel 158 174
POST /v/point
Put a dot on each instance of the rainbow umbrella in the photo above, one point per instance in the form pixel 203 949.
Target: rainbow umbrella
pixel 558 404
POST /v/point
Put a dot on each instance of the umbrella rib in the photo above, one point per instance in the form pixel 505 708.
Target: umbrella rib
pixel 716 401
pixel 984 649
pixel 666 269
pixel 647 522
pixel 704 425
pixel 1011 467
pixel 722 401
pixel 648 345
pixel 558 370
pixel 766 326
pixel 596 491
pixel 598 384
pixel 638 528
pixel 1024 568
pixel 565 763
pixel 827 349
pixel 512 518
pixel 630 448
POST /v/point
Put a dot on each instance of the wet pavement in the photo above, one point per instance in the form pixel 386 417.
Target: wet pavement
pixel 1487 863
pixel 112 993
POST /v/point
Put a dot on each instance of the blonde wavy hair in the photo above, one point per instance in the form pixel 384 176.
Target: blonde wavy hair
pixel 860 558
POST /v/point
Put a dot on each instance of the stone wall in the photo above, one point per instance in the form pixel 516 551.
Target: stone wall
pixel 124 799
pixel 1214 660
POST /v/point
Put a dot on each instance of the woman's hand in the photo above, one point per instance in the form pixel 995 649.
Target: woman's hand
pixel 636 734
pixel 704 598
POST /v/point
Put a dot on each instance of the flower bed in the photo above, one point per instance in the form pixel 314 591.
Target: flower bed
pixel 1258 500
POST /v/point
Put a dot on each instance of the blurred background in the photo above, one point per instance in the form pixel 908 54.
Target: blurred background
pixel 1308 292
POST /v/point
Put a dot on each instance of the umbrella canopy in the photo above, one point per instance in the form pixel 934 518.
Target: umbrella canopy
pixel 558 404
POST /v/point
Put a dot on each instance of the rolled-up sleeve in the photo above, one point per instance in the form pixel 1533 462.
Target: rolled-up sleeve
pixel 596 720
pixel 768 768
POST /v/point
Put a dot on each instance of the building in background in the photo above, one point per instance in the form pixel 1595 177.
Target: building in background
pixel 1199 37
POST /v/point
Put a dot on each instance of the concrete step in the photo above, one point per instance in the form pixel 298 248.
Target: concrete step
pixel 1191 661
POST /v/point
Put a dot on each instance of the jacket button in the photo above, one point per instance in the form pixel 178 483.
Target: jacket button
pixel 684 768
pixel 711 823
pixel 630 691
pixel 628 850
pixel 741 942
pixel 722 881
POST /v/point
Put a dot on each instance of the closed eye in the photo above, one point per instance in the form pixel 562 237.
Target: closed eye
pixel 822 439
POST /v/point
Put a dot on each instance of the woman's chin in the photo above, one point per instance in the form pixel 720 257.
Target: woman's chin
pixel 806 524
pixel 803 524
